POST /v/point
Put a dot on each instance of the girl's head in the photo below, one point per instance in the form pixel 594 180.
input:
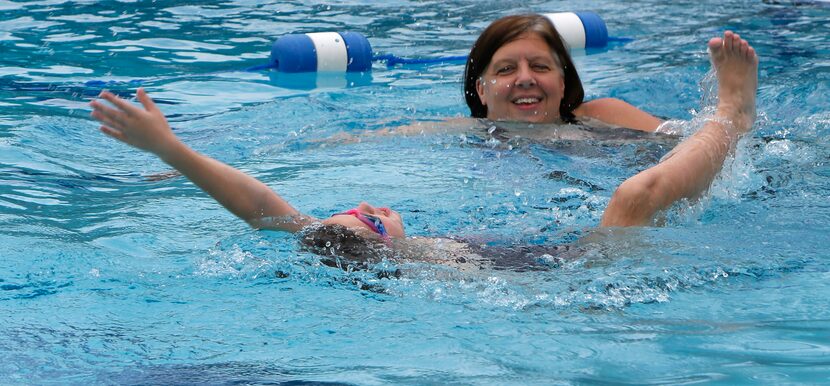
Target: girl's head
pixel 362 235
pixel 519 69
pixel 370 221
pixel 342 247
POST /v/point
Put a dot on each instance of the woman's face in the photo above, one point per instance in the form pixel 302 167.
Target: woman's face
pixel 523 82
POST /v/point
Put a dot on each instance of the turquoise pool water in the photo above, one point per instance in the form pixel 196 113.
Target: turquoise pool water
pixel 108 277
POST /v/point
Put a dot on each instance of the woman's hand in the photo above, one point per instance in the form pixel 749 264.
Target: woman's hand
pixel 146 129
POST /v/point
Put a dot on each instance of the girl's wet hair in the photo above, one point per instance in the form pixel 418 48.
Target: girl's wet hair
pixel 342 248
pixel 506 30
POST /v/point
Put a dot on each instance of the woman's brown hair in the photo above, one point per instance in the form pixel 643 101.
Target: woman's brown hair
pixel 506 30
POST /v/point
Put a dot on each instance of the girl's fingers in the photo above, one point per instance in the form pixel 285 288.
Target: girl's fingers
pixel 107 119
pixel 125 106
pixel 113 133
pixel 105 110
pixel 115 116
pixel 145 100
pixel 124 121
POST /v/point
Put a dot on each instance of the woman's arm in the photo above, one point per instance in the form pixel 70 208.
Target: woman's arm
pixel 618 112
pixel 243 195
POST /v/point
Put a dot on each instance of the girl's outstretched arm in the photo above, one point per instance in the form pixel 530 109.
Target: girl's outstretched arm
pixel 243 195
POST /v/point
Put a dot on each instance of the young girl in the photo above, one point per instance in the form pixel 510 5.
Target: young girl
pixel 367 233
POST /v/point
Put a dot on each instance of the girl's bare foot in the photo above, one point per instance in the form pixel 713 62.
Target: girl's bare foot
pixel 736 65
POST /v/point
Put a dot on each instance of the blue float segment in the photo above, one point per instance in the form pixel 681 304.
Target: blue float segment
pixel 596 33
pixel 359 51
pixel 294 53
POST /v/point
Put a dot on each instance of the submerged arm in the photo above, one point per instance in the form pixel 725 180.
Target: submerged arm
pixel 448 126
pixel 243 195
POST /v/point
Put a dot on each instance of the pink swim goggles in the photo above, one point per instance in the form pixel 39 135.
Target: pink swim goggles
pixel 372 222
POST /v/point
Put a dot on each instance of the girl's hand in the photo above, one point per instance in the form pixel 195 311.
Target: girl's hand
pixel 146 129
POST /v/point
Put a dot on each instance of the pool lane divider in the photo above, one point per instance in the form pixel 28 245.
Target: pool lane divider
pixel 352 52
pixel 324 55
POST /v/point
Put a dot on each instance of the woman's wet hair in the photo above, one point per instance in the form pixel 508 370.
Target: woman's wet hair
pixel 341 247
pixel 506 30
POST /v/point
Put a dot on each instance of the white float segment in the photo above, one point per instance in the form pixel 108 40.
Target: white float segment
pixel 569 27
pixel 331 51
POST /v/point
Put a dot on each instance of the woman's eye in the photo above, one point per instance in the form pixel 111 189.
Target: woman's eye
pixel 504 69
pixel 541 67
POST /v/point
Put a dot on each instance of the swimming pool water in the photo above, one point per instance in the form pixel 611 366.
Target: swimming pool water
pixel 109 277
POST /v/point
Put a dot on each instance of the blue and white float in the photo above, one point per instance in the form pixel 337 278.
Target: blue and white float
pixel 352 52
pixel 344 59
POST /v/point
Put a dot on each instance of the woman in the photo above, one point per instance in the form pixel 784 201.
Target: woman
pixel 519 70
pixel 365 232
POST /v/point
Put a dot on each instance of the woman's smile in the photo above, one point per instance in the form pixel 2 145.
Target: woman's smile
pixel 524 82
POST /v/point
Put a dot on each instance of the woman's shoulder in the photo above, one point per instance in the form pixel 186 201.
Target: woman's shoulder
pixel 594 106
pixel 617 112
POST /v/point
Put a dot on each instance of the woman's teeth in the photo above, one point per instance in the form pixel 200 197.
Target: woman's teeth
pixel 526 101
